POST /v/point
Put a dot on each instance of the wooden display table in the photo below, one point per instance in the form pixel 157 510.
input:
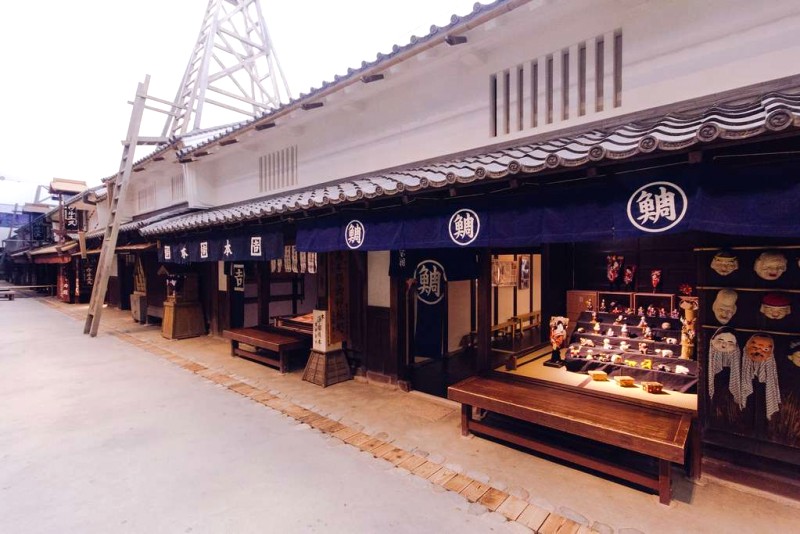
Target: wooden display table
pixel 660 434
pixel 270 346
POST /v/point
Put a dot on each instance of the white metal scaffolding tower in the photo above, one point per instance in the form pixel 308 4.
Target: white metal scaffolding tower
pixel 233 59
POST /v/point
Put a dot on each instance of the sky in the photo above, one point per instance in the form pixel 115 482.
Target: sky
pixel 69 67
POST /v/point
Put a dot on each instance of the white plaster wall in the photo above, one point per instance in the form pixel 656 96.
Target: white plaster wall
pixel 458 310
pixel 378 293
pixel 437 104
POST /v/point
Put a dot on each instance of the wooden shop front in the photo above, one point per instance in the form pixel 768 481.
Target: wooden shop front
pixel 691 324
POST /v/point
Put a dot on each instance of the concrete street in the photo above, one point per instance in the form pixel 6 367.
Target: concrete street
pixel 97 435
pixel 132 432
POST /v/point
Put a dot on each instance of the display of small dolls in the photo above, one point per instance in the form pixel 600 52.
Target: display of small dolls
pixel 675 314
pixel 596 328
pixel 603 305
pixel 651 311
pixel 619 320
pixel 646 364
pixel 616 358
pixel 624 346
pixel 575 351
pixel 624 331
pixel 663 367
pixel 648 333
pixel 610 332
pixel 589 305
pixel 607 344
pixel 615 308
pixel 643 348
pixel 642 323
pixel 640 311
pixel 590 354
pixel 662 313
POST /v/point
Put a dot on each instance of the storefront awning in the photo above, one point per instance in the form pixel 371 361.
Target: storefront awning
pixel 752 201
pixel 256 245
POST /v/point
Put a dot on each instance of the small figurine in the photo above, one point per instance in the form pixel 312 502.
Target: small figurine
pixel 666 353
pixel 594 317
pixel 607 344
pixel 580 330
pixel 642 323
pixel 651 311
pixel 616 358
pixel 675 314
pixel 681 370
pixel 647 363
pixel 586 342
pixel 615 308
pixel 610 332
pixel 624 346
pixel 603 305
pixel 575 350
pixel 589 305
pixel 590 354
pixel 643 348
pixel 662 312
pixel 631 363
pixel 629 311
pixel 640 311
pixel 666 325
pixel 671 340
pixel 596 328
pixel 663 367
pixel 624 331
pixel 619 320
pixel 648 333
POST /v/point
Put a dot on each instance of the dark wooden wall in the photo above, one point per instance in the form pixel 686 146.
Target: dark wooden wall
pixel 378 354
pixel 673 254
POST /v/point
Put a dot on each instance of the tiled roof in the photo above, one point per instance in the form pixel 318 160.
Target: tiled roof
pixel 131 226
pixel 770 113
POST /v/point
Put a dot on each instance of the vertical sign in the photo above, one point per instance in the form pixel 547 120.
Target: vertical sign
pixel 238 276
pixel 71 219
pixel 320 331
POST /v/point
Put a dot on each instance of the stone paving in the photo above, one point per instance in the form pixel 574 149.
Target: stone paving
pixel 400 428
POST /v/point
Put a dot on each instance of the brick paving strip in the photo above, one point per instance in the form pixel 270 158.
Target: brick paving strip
pixel 529 515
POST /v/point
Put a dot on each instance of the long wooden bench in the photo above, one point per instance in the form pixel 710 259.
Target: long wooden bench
pixel 271 347
pixel 8 295
pixel 661 434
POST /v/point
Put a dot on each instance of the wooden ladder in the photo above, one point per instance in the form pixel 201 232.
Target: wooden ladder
pixel 118 188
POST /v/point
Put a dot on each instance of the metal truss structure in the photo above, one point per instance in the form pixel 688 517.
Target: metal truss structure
pixel 233 59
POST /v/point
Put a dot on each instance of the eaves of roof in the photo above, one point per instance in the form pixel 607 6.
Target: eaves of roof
pixel 773 112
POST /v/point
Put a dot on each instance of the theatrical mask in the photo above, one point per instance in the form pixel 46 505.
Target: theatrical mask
pixel 724 263
pixel 759 348
pixel 759 364
pixel 775 306
pixel 794 352
pixel 724 306
pixel 770 265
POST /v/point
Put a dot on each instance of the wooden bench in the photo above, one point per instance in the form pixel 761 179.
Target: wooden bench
pixel 661 434
pixel 270 347
pixel 506 328
pixel 534 319
pixel 7 294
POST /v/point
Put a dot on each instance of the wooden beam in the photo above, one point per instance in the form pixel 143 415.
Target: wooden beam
pixel 372 78
pixel 484 310
pixel 454 40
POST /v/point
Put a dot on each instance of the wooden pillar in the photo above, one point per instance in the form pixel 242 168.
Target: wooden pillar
pixel 484 310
